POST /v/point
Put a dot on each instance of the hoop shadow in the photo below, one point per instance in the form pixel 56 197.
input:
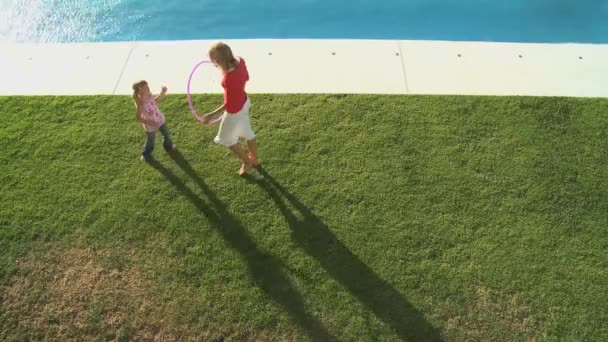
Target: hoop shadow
pixel 377 295
pixel 266 270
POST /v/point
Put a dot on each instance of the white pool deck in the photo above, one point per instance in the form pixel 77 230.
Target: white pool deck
pixel 312 66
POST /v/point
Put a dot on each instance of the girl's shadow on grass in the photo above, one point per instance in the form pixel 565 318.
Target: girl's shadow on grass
pixel 266 270
pixel 377 295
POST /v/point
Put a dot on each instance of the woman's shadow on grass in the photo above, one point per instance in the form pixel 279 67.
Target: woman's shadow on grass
pixel 317 240
pixel 265 269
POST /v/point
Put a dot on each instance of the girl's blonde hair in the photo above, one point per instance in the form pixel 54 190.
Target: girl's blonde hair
pixel 137 88
pixel 221 54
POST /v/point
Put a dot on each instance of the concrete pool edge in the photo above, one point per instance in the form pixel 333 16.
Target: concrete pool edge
pixel 313 66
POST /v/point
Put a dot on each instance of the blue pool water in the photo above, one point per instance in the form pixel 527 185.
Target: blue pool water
pixel 477 20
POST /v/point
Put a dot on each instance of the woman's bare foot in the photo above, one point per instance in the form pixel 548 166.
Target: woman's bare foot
pixel 254 162
pixel 244 170
pixel 251 170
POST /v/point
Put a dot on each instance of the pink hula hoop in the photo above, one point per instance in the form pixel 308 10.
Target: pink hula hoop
pixel 194 112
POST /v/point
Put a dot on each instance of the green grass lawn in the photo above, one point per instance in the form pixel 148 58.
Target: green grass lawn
pixel 380 218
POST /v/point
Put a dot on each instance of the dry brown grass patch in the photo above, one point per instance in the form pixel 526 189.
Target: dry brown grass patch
pixel 68 294
pixel 83 294
pixel 492 318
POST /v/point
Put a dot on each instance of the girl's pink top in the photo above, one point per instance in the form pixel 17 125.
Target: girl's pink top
pixel 153 114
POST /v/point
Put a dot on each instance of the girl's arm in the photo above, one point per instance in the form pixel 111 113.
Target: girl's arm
pixel 139 111
pixel 137 108
pixel 139 116
pixel 163 91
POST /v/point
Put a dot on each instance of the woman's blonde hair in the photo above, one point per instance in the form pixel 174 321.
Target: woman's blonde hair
pixel 221 54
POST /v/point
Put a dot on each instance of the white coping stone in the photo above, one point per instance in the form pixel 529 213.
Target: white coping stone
pixel 311 66
pixel 497 68
pixel 323 66
pixel 275 66
pixel 168 63
pixel 61 69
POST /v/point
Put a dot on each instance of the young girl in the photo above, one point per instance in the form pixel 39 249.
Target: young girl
pixel 151 117
pixel 235 123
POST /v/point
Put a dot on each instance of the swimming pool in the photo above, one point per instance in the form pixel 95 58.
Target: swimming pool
pixel 553 21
